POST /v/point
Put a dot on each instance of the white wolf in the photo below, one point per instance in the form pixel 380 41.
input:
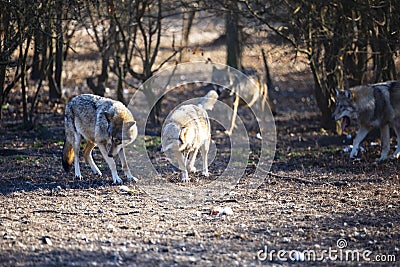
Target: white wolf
pixel 186 130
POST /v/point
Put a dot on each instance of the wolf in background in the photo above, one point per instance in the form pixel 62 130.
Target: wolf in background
pixel 372 106
pixel 252 87
pixel 102 122
pixel 186 130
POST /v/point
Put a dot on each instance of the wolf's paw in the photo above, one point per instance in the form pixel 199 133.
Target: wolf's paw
pixel 186 180
pixel 382 158
pixel 228 132
pixel 117 180
pixel 131 178
pixel 396 154
pixel 78 176
pixel 192 169
pixel 185 177
pixel 206 173
pixel 353 155
pixel 97 173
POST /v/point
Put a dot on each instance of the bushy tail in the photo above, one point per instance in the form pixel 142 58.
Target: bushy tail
pixel 187 136
pixel 208 101
pixel 68 156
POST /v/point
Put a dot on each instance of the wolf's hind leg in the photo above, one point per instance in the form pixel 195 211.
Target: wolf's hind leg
pixel 385 138
pixel 396 154
pixel 204 154
pixel 193 157
pixel 361 134
pixel 68 155
pixel 254 98
pixel 111 163
pixel 87 155
pixel 125 166
pixel 76 145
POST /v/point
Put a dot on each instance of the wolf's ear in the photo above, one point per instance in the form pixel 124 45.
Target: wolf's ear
pixel 109 115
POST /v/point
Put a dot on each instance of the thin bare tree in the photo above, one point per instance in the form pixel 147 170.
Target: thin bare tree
pixel 346 42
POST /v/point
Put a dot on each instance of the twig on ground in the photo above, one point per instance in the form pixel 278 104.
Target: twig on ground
pixel 335 182
pixel 306 181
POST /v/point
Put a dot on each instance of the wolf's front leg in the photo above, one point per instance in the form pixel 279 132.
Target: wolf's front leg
pixel 182 160
pixel 125 166
pixel 385 138
pixel 234 115
pixel 396 153
pixel 361 134
pixel 111 163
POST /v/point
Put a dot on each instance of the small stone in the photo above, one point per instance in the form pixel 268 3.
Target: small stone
pixel 46 240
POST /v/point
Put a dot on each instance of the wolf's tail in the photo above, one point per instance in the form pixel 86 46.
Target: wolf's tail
pixel 68 155
pixel 208 101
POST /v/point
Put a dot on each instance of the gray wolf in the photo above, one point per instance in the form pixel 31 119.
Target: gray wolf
pixel 372 106
pixel 245 90
pixel 186 130
pixel 102 122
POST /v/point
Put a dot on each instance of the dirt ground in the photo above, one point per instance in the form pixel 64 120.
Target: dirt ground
pixel 48 218
pixel 316 201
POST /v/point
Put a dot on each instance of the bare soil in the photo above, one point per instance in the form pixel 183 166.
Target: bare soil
pixel 314 197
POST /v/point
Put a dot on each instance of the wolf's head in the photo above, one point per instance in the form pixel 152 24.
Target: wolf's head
pixel 208 101
pixel 345 107
pixel 222 77
pixel 170 138
pixel 121 132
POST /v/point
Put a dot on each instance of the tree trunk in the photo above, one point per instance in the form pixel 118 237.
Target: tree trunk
pixel 322 96
pixel 23 57
pixel 188 17
pixel 151 100
pixel 53 90
pixel 35 73
pixel 120 84
pixel 4 56
pixel 268 81
pixel 233 38
pixel 108 49
pixel 59 49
